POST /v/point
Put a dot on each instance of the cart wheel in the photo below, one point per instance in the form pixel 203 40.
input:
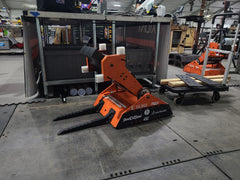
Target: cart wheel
pixel 178 100
pixel 215 96
pixel 162 90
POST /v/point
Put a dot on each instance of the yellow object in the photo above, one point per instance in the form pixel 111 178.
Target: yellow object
pixel 18 22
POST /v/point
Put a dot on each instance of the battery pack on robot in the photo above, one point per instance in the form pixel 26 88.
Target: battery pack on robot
pixel 58 5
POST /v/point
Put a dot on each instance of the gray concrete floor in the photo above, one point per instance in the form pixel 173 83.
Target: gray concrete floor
pixel 200 141
pixel 11 79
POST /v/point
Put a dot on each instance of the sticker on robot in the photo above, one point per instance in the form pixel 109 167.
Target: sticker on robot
pixel 132 118
pixel 146 112
pixel 139 106
pixel 158 112
pixel 154 103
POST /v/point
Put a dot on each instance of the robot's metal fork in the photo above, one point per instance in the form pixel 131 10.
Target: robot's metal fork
pixel 82 112
pixel 89 124
pixel 85 125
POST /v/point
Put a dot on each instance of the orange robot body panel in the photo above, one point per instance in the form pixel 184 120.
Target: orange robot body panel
pixel 211 69
pixel 125 102
pixel 147 108
pixel 122 95
pixel 114 67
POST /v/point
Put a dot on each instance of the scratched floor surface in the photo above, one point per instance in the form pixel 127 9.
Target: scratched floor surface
pixel 200 141
pixel 201 138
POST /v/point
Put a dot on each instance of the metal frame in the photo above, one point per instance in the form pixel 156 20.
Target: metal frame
pixel 94 34
pixel 41 54
pixel 156 48
pixel 94 18
pixel 113 37
pixel 230 53
pixel 61 82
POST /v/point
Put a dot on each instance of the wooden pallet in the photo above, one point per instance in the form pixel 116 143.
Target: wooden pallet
pixel 177 82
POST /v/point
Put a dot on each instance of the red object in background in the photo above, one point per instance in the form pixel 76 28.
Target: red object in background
pixel 89 6
pixel 211 69
pixel 1 31
pixel 19 45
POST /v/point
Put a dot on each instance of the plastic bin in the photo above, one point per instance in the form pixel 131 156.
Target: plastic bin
pixel 4 44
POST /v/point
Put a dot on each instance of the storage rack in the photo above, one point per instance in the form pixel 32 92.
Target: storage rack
pixel 9 50
pixel 161 53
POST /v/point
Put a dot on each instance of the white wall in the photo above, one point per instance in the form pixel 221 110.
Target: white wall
pixel 15 13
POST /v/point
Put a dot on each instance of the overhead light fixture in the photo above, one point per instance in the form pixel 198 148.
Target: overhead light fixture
pixel 116 4
pixel 31 6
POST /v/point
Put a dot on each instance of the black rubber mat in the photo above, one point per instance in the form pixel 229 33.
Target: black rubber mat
pixel 6 113
pixel 189 81
pixel 209 82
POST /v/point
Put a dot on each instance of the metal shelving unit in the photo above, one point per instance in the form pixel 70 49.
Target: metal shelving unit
pixel 10 51
pixel 72 81
pixel 162 25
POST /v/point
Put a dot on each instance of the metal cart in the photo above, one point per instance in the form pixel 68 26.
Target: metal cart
pixel 208 85
pixel 193 86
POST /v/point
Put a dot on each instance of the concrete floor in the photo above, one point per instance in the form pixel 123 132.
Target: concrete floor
pixel 11 79
pixel 200 141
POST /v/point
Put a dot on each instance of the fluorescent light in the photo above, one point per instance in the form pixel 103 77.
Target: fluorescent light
pixel 32 6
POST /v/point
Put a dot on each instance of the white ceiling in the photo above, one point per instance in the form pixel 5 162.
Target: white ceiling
pixel 19 4
pixel 214 6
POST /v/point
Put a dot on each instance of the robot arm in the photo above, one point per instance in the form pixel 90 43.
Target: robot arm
pixel 111 68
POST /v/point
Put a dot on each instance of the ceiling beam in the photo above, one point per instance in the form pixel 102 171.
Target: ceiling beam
pixel 179 6
pixel 162 1
pixel 221 9
pixel 207 6
pixel 6 6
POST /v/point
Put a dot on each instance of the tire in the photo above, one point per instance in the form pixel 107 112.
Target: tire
pixel 215 96
pixel 178 100
pixel 162 90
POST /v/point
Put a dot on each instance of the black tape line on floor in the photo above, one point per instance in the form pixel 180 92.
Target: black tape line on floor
pixel 6 115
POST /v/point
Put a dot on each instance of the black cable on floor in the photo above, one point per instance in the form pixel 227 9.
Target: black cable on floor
pixel 22 103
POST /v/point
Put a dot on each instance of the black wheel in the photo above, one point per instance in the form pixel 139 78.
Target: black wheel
pixel 162 90
pixel 178 100
pixel 143 91
pixel 215 96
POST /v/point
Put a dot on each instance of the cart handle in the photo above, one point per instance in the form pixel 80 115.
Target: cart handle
pixel 225 15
